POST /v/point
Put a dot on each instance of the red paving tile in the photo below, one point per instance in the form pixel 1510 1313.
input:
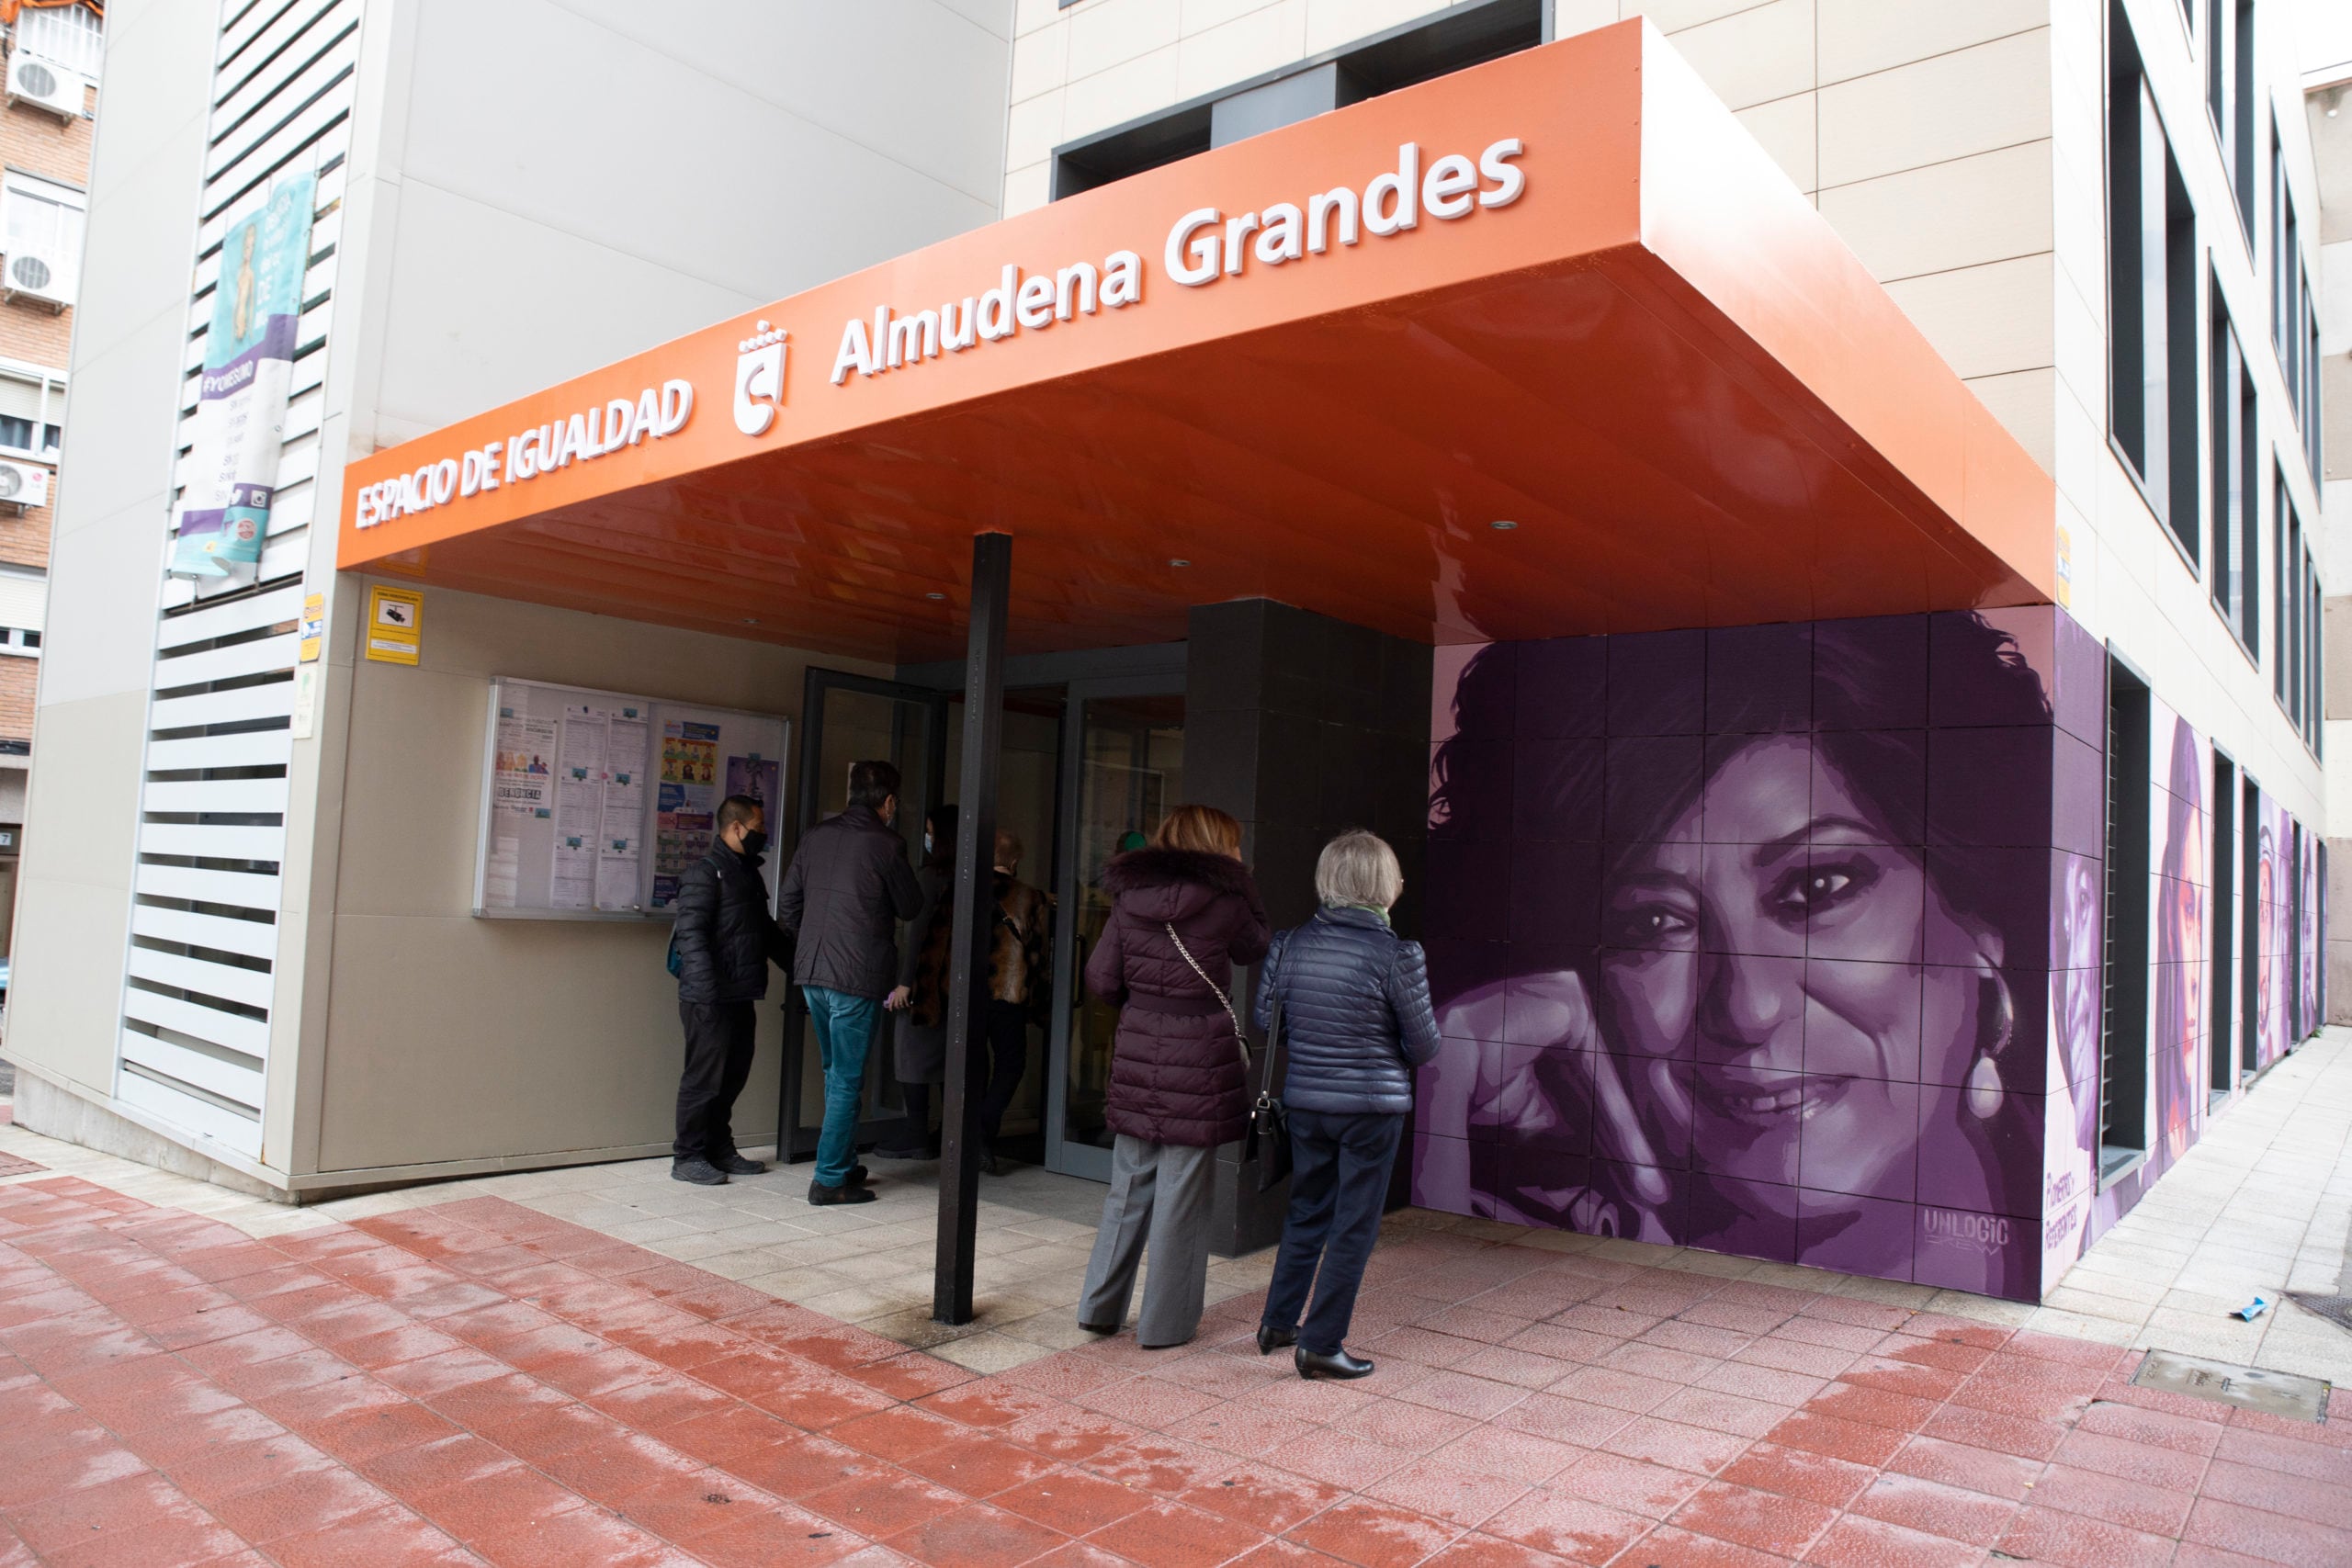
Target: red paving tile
pixel 174 1392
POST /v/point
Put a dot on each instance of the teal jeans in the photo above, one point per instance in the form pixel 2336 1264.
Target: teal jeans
pixel 845 1032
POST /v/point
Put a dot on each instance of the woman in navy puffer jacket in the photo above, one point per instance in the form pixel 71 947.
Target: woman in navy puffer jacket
pixel 1356 1021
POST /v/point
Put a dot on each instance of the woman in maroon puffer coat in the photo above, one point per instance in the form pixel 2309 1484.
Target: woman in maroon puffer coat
pixel 1186 912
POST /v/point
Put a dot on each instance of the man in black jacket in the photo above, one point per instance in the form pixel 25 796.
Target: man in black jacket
pixel 847 889
pixel 725 940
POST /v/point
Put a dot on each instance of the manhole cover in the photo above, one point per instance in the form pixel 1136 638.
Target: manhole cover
pixel 2249 1388
pixel 2335 1309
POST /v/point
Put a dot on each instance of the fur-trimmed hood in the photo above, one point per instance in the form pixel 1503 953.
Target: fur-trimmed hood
pixel 1159 868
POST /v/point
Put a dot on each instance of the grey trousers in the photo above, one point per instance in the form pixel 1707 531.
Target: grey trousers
pixel 1158 1201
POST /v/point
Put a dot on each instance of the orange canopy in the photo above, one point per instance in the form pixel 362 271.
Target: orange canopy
pixel 1610 323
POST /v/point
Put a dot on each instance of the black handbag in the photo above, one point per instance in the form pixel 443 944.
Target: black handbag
pixel 1268 1140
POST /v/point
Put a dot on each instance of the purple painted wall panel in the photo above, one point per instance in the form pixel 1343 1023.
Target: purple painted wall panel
pixel 1752 939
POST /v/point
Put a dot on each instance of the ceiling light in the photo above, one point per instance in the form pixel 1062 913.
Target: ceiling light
pixel 1502 524
pixel 1172 561
pixel 751 620
pixel 934 595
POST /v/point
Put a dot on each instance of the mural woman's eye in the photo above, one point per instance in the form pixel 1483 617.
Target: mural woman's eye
pixel 1818 890
pixel 1648 924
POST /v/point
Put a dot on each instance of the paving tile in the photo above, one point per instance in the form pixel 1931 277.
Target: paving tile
pixel 1682 1548
pixel 1855 1541
pixel 388 1535
pixel 882 1503
pixel 1627 1485
pixel 1173 1535
pixel 1935 1508
pixel 1263 1499
pixel 1072 1501
pixel 2076 1541
pixel 2276 1538
pixel 1768 1521
pixel 979 1535
pixel 298 1504
pixel 1375 1535
pixel 1799 1472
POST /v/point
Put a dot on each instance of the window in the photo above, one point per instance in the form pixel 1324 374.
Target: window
pixel 2315 617
pixel 2281 584
pixel 71 36
pixel 2152 299
pixel 2282 243
pixel 32 414
pixel 2296 681
pixel 2124 1035
pixel 44 217
pixel 2236 475
pixel 23 594
pixel 1458 37
pixel 2228 95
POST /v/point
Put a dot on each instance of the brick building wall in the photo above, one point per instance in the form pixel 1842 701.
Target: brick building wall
pixel 17 677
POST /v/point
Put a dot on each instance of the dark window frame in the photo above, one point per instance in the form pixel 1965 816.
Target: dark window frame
pixel 2234 474
pixel 2124 1018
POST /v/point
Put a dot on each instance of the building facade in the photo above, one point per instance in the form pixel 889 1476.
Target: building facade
pixel 1933 436
pixel 46 120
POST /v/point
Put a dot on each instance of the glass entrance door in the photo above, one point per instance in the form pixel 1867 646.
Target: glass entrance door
pixel 1123 772
pixel 850 718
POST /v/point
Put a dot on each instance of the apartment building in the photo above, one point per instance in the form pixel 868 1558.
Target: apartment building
pixel 1592 443
pixel 46 115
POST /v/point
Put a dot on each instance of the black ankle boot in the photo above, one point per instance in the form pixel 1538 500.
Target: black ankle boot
pixel 1271 1339
pixel 1339 1364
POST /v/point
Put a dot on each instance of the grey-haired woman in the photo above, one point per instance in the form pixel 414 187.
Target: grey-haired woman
pixel 1356 1021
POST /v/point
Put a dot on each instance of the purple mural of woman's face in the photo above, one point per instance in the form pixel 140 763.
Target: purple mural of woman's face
pixel 1705 960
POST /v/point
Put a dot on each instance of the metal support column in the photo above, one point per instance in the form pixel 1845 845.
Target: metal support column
pixel 959 1155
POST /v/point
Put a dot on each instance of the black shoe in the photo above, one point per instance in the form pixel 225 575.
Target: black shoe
pixel 1271 1339
pixel 701 1172
pixel 989 1161
pixel 856 1177
pixel 1102 1328
pixel 1339 1364
pixel 736 1165
pixel 823 1196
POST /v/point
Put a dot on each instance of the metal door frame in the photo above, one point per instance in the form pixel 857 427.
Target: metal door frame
pixel 794 1142
pixel 1062 1154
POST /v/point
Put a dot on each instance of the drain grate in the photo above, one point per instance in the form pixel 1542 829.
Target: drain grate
pixel 2335 1309
pixel 2249 1388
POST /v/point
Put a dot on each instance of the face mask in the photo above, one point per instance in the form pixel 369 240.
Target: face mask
pixel 755 842
pixel 926 843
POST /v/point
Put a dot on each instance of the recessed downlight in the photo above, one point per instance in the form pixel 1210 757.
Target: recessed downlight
pixel 1502 524
pixel 1177 561
pixel 934 595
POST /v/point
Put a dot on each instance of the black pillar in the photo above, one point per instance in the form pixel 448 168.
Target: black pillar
pixel 959 1162
pixel 1302 726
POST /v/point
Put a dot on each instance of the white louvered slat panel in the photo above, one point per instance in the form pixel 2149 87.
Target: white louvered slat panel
pixel 317 281
pixel 300 461
pixel 250 614
pixel 252 749
pixel 273 699
pixel 247 987
pixel 243 798
pixel 249 939
pixel 291 37
pixel 239 1079
pixel 238 32
pixel 294 509
pixel 285 555
pixel 232 889
pixel 233 1030
pixel 257 148
pixel 239 1135
pixel 210 840
pixel 304 61
pixel 306 412
pixel 178 591
pixel 261 656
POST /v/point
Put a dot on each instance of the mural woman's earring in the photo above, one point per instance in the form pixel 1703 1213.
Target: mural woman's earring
pixel 1996 1022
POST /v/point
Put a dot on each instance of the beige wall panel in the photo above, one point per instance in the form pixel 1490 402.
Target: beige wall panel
pixel 1124 92
pixel 1961 213
pixel 1984 321
pixel 74 889
pixel 463 1039
pixel 455 1038
pixel 1112 32
pixel 1859 37
pixel 1754 56
pixel 1673 15
pixel 1266 38
pixel 2021 402
pixel 1786 130
pixel 1975 100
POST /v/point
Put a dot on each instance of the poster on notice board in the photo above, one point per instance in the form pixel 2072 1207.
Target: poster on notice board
pixel 594 803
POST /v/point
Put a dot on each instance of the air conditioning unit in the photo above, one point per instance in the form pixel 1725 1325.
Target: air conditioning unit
pixel 41 82
pixel 23 485
pixel 37 274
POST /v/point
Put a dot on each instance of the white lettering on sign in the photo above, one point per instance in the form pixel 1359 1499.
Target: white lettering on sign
pixel 1034 301
pixel 578 438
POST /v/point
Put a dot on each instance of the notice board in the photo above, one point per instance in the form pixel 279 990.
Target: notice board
pixel 594 803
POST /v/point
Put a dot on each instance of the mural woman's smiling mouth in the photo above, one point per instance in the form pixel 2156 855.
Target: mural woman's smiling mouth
pixel 1765 1102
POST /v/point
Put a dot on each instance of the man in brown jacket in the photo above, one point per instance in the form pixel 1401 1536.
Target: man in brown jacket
pixel 1021 990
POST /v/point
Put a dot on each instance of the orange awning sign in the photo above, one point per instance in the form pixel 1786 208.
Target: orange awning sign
pixel 581 437
pixel 1320 366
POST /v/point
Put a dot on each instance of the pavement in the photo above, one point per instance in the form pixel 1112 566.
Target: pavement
pixel 505 1371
